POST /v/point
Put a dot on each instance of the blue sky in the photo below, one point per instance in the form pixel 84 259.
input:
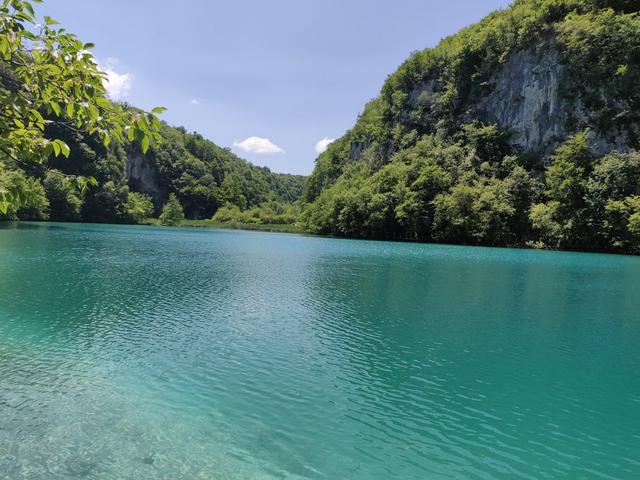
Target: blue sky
pixel 270 79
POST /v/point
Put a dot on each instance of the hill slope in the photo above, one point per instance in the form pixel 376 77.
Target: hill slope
pixel 520 129
pixel 203 176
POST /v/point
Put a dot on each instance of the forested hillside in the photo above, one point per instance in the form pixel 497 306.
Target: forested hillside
pixel 131 186
pixel 521 129
pixel 69 153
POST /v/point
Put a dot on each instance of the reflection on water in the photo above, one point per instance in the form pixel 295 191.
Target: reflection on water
pixel 138 352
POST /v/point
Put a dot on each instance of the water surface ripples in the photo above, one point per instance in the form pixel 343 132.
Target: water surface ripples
pixel 135 352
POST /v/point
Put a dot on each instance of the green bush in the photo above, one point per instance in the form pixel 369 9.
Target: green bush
pixel 268 213
pixel 139 207
pixel 172 212
pixel 64 199
pixel 30 193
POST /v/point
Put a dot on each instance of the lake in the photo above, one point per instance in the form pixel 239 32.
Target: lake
pixel 142 352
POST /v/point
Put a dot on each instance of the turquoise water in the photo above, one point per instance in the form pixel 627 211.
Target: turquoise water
pixel 140 352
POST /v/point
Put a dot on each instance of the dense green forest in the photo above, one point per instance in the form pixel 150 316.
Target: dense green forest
pixel 203 177
pixel 436 158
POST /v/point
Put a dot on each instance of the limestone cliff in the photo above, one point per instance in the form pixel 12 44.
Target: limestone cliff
pixel 529 101
pixel 142 176
pixel 526 100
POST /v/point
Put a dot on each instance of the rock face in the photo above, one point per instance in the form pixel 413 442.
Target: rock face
pixel 526 100
pixel 143 177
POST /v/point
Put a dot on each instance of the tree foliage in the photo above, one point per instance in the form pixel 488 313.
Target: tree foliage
pixel 206 177
pixel 65 201
pixel 33 203
pixel 172 212
pixel 49 77
pixel 432 191
pixel 268 213
pixel 139 207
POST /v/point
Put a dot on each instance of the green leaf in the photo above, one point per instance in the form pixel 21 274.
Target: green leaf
pixel 4 207
pixel 103 102
pixel 48 149
pixel 94 114
pixel 56 147
pixel 50 21
pixel 64 148
pixel 56 108
pixel 4 45
pixel 142 123
pixel 29 8
pixel 36 115
pixel 144 143
pixel 159 110
pixel 54 69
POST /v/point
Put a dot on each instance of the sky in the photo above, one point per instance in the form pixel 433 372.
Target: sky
pixel 276 81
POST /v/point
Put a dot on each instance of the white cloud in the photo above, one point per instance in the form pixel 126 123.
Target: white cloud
pixel 322 145
pixel 194 101
pixel 258 145
pixel 118 85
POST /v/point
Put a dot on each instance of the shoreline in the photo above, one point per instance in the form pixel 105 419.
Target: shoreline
pixel 255 227
pixel 298 230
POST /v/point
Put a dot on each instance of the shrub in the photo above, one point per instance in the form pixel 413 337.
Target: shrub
pixel 172 212
pixel 139 207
